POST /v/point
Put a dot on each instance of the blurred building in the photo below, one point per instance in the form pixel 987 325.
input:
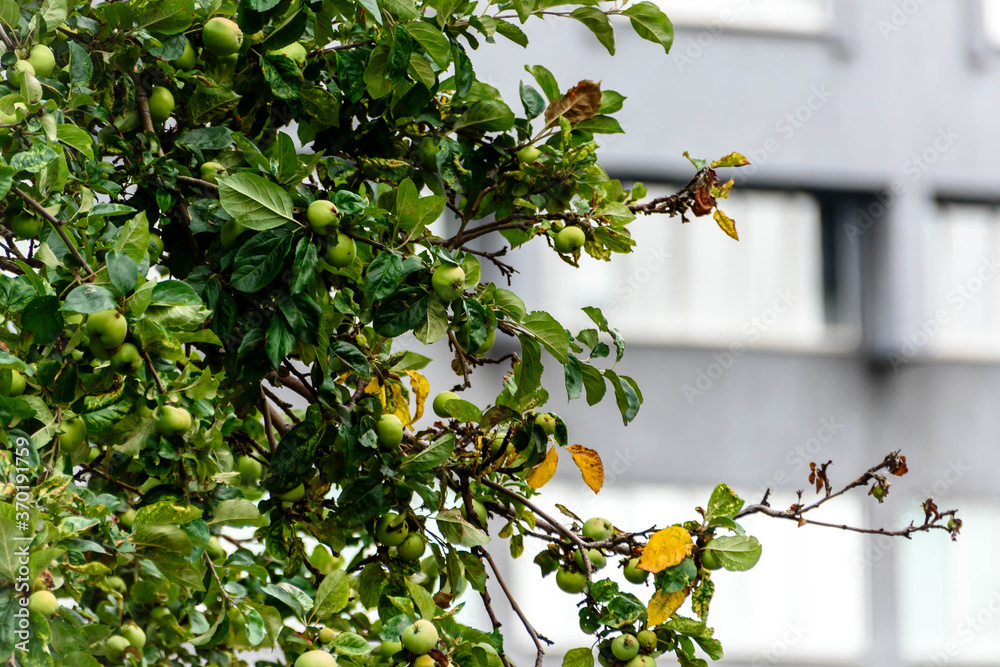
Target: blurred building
pixel 859 314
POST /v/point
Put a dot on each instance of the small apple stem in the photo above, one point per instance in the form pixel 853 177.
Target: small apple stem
pixel 57 225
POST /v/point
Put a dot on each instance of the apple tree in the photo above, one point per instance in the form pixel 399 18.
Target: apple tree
pixel 210 205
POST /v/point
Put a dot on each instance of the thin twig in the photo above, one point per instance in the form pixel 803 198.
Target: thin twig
pixel 156 376
pixel 8 42
pixel 268 426
pixel 540 655
pixel 58 227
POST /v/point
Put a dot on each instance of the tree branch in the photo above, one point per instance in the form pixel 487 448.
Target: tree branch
pixel 58 227
pixel 540 655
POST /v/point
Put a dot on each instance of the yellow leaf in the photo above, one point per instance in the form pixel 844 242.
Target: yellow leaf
pixel 373 386
pixel 662 606
pixel 590 465
pixel 666 548
pixel 421 389
pixel 397 403
pixel 727 224
pixel 544 471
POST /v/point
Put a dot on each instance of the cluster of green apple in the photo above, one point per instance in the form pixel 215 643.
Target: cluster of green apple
pixel 130 635
pixel 567 239
pixel 23 75
pixel 324 220
pixel 629 650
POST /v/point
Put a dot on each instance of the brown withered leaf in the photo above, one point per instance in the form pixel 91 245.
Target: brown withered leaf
pixel 704 202
pixel 579 104
pixel 897 466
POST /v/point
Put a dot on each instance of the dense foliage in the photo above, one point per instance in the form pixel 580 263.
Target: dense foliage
pixel 206 201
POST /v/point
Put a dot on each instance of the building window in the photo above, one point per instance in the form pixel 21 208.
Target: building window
pixel 690 283
pixel 792 16
pixel 963 274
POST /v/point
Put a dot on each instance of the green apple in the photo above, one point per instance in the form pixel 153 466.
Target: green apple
pixel 161 104
pixel 547 422
pixel 387 649
pixel 391 530
pixel 231 231
pixel 116 583
pixel 571 581
pixel 43 602
pixel 625 647
pixel 441 401
pixel 116 647
pixel 72 433
pixel 155 245
pixel 448 282
pixel 710 560
pixel 17 72
pixel 42 59
pixel 25 225
pixel 215 550
pixel 250 469
pixel 570 239
pixel 127 359
pixel 17 384
pixel 412 548
pixel 327 635
pixel 528 155
pixel 127 518
pixel 487 345
pixel 210 171
pixel 134 634
pixel 293 496
pixel 633 574
pixel 187 60
pixel 597 559
pixel 323 560
pixel 647 640
pixel 342 253
pixel 172 420
pixel 294 52
pixel 322 214
pixel 159 613
pixel 425 660
pixel 389 430
pixel 316 658
pixel 221 37
pixel 420 637
pixel 108 328
pixel 641 661
pixel 598 529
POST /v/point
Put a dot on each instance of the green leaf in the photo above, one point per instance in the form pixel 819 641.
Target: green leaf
pixel 254 201
pixel 166 513
pixel 81 68
pixel 427 459
pixel 236 512
pixel 573 376
pixel 579 657
pixel 255 628
pixel 402 312
pixel 295 454
pixel 9 14
pixel 546 81
pixel 122 271
pixel 77 138
pixel 283 75
pixel 551 334
pixel 372 8
pixel 651 24
pixel 260 259
pixel 54 12
pixel 89 299
pixel 207 138
pixel 42 318
pixel 593 383
pixel 625 396
pixel 433 40
pixel 599 24
pixel 531 100
pixel 304 265
pixel 384 274
pixel 209 103
pixel 349 643
pixel 168 17
pixel 487 116
pixel 724 503
pixel 458 531
pixel 736 553
pixel 332 596
pixel 156 537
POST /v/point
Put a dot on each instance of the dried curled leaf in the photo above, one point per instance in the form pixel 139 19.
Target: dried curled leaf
pixel 579 104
